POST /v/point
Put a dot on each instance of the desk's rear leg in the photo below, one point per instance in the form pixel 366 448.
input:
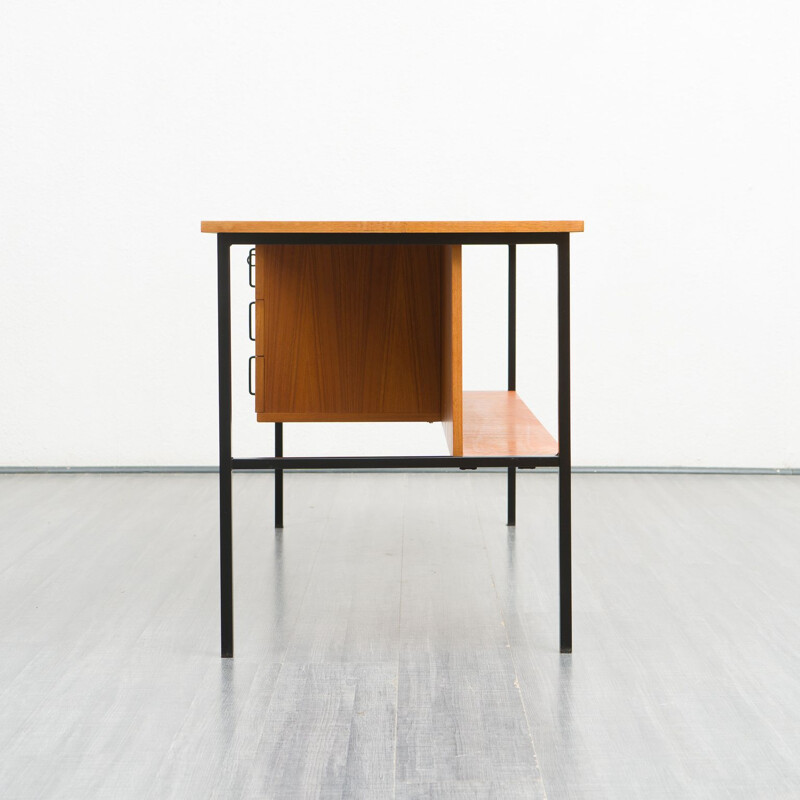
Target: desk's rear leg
pixel 278 476
pixel 512 496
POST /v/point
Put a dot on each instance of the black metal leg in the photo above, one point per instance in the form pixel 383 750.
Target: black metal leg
pixel 225 463
pixel 564 452
pixel 512 496
pixel 512 369
pixel 278 476
pixel 512 317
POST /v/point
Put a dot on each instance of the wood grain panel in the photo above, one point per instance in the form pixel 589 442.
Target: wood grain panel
pixel 260 332
pixel 500 424
pixel 259 379
pixel 316 226
pixel 351 332
pixel 451 349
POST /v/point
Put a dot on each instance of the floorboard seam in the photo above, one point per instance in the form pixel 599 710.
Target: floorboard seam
pixel 311 571
pixel 510 648
pixel 282 662
pixel 399 651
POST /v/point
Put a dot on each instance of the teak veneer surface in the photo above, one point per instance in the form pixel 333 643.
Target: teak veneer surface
pixel 500 424
pixel 452 402
pixel 349 333
pixel 315 226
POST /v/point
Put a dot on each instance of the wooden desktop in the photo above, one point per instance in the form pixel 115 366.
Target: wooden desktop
pixel 361 321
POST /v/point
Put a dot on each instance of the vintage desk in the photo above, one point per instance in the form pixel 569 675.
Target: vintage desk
pixel 362 321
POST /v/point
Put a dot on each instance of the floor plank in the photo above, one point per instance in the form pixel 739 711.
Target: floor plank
pixel 461 721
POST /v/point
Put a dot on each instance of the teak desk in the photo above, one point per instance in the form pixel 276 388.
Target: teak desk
pixel 362 321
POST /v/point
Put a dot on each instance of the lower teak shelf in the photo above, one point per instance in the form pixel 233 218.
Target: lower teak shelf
pixel 500 424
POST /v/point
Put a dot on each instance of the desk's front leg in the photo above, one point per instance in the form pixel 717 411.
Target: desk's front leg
pixel 225 484
pixel 564 451
pixel 511 493
pixel 278 476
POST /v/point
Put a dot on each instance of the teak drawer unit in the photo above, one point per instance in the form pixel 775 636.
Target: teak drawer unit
pixel 359 333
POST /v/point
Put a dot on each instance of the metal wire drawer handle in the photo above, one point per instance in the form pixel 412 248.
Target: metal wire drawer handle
pixel 251 262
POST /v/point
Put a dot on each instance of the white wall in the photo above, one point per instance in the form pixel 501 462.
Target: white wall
pixel 671 128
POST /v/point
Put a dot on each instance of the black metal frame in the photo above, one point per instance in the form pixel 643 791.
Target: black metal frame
pixel 279 463
pixel 512 369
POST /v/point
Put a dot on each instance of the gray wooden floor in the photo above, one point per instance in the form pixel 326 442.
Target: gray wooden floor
pixel 397 640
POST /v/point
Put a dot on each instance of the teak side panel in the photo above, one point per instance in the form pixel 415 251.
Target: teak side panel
pixel 349 332
pixel 374 226
pixel 452 416
pixel 259 378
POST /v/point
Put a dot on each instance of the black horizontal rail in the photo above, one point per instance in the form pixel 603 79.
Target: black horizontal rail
pixel 393 462
pixel 227 239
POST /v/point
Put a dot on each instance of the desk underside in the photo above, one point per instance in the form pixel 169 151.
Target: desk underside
pixel 372 333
